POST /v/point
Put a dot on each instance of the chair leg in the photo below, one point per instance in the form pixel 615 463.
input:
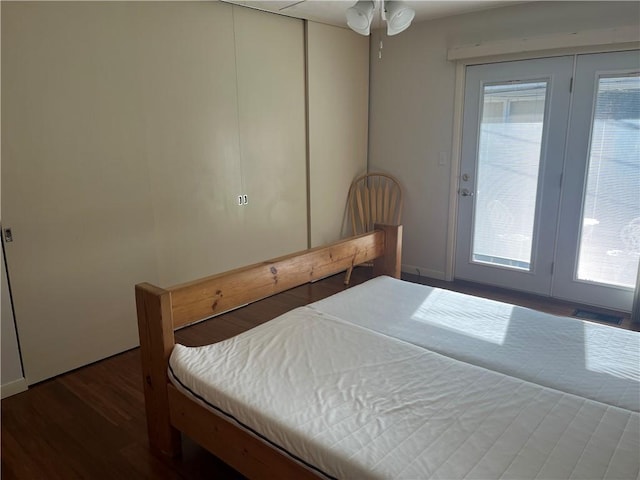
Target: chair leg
pixel 347 278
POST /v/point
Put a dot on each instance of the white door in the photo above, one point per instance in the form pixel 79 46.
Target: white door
pixel 514 131
pixel 550 177
pixel 271 122
pixel 599 230
pixel 115 166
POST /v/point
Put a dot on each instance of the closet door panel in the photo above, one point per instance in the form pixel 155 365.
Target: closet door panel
pixel 74 182
pixel 191 138
pixel 338 90
pixel 120 165
pixel 271 102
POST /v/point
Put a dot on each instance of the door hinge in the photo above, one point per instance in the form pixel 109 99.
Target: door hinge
pixel 571 85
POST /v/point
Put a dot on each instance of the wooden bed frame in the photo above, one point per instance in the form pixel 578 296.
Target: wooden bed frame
pixel 161 311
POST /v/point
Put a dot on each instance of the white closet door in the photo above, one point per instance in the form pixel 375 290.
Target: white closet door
pixel 271 105
pixel 191 138
pixel 110 142
pixel 338 91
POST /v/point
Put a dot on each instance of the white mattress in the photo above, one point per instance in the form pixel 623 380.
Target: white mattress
pixel 358 404
pixel 587 359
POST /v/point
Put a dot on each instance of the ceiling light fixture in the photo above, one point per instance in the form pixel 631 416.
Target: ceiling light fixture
pixel 360 15
pixel 397 15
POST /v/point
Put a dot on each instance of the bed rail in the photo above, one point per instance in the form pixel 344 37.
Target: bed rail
pixel 161 311
pixel 220 293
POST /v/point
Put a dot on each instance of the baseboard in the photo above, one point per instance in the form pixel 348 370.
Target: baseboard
pixel 12 388
pixel 423 272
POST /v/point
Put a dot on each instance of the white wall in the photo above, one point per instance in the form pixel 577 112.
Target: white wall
pixel 411 117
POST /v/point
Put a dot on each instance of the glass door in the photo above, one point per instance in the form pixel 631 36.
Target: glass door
pixel 550 177
pixel 514 131
pixel 599 229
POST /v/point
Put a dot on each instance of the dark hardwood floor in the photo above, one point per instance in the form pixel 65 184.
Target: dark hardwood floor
pixel 90 423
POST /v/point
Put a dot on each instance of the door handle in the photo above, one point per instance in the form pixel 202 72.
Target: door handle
pixel 465 192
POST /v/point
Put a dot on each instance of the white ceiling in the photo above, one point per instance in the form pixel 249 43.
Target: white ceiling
pixel 332 12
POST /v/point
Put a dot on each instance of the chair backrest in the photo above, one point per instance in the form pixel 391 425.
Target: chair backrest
pixel 374 198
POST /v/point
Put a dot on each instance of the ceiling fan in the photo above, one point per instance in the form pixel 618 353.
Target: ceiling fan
pixel 397 15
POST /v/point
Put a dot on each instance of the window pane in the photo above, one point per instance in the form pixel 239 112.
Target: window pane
pixel 610 234
pixel 508 166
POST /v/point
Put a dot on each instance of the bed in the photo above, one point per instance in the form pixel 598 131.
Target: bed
pixel 388 379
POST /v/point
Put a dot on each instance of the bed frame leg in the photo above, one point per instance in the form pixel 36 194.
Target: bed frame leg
pixel 391 262
pixel 153 306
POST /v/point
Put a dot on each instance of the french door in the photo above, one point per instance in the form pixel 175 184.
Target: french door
pixel 550 177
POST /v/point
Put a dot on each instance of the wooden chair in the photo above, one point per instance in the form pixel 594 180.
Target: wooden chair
pixel 373 198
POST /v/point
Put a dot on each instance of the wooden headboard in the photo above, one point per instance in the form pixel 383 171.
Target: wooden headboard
pixel 162 310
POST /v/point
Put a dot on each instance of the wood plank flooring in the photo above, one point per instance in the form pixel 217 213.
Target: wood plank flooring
pixel 90 423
